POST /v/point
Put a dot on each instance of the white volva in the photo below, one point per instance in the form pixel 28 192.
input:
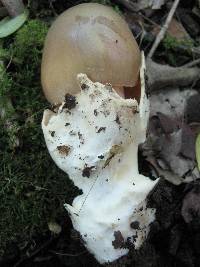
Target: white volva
pixel 94 138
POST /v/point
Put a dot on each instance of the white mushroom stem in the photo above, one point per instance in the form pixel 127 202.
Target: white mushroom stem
pixel 94 138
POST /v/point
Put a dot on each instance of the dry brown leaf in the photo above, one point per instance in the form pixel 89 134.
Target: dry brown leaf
pixel 175 30
pixel 153 4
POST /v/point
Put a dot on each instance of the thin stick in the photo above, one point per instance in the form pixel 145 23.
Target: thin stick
pixel 162 76
pixel 25 258
pixel 163 30
pixel 88 194
pixel 129 5
pixel 149 20
pixel 192 63
pixel 68 254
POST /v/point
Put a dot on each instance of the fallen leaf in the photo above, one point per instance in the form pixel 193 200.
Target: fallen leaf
pixel 168 125
pixel 156 4
pixel 153 4
pixel 198 151
pixel 171 146
pixel 175 30
pixel 191 205
pixel 10 25
pixel 192 109
pixel 189 22
pixel 187 143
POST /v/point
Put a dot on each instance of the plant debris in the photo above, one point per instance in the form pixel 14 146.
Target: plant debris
pixel 70 101
pixel 119 240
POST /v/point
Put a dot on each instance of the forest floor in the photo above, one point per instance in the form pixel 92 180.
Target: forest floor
pixel 35 229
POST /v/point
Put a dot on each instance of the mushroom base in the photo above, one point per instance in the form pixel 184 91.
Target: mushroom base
pixel 94 137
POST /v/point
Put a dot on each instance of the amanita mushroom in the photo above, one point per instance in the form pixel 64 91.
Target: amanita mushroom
pixel 93 135
pixel 92 39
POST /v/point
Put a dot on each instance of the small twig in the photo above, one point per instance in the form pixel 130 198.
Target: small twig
pixel 14 7
pixel 192 63
pixel 195 51
pixel 52 8
pixel 88 194
pixel 163 30
pixel 149 20
pixel 68 254
pixel 9 63
pixel 129 5
pixel 162 76
pixel 43 246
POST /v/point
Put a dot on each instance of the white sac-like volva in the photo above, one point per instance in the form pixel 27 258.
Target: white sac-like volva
pixel 94 138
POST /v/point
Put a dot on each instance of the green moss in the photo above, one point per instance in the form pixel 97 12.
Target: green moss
pixel 170 42
pixel 5 83
pixel 27 50
pixel 32 188
pixel 172 45
pixel 30 38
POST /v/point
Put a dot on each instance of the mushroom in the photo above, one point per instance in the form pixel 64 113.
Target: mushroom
pixel 93 39
pixel 94 133
pixel 94 138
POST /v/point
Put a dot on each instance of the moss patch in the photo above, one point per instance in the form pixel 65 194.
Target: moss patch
pixel 173 45
pixel 32 188
pixel 170 42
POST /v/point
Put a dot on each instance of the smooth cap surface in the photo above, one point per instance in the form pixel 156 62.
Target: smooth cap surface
pixel 92 39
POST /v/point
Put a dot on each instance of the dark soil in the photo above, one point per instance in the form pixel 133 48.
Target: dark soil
pixel 174 239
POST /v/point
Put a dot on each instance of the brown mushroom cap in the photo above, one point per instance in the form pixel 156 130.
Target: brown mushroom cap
pixel 92 39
